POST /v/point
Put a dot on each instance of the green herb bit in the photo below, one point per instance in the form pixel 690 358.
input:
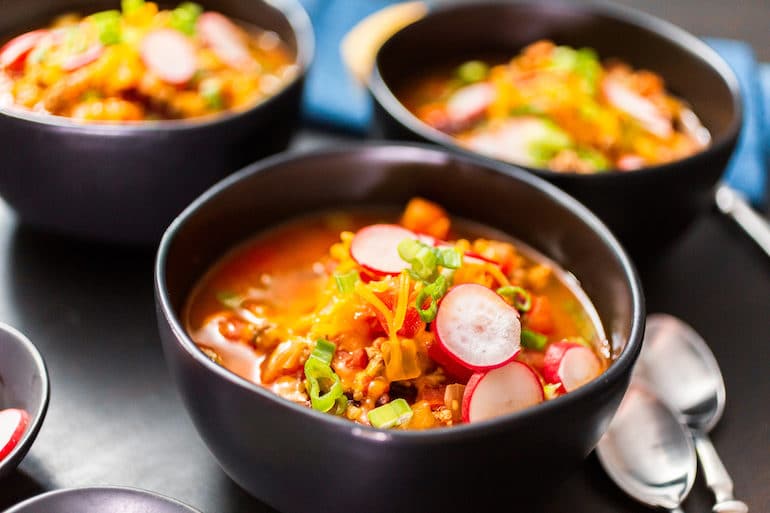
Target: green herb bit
pixel 184 17
pixel 324 351
pixel 346 282
pixel 425 259
pixel 108 26
pixel 320 376
pixel 341 405
pixel 472 71
pixel 389 415
pixel 519 297
pixel 131 6
pixel 211 91
pixel 450 258
pixel 434 291
pixel 551 390
pixel 229 299
pixel 533 340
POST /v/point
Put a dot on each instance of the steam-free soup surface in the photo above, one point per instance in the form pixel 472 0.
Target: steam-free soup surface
pixel 274 308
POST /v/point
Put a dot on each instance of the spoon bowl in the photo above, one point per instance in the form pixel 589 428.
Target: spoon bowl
pixel 647 451
pixel 678 365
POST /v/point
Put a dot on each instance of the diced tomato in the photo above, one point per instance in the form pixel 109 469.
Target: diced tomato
pixel 235 329
pixel 434 396
pixel 355 360
pixel 540 317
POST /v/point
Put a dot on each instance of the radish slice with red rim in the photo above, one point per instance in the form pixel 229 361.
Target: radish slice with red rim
pixel 225 39
pixel 570 364
pixel 170 55
pixel 506 389
pixel 78 60
pixel 375 248
pixel 476 327
pixel 13 424
pixel 14 53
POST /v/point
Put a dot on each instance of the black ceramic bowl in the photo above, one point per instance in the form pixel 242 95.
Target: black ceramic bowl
pixel 125 183
pixel 299 460
pixel 645 208
pixel 102 499
pixel 23 385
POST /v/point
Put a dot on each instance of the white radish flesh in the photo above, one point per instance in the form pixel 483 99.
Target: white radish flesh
pixel 225 39
pixel 638 107
pixel 73 62
pixel 170 55
pixel 573 365
pixel 511 140
pixel 375 248
pixel 469 103
pixel 477 328
pixel 13 423
pixel 506 389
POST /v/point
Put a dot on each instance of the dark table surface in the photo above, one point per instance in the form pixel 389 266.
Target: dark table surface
pixel 115 417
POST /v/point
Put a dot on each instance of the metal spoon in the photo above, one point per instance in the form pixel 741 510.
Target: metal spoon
pixel 648 452
pixel 733 204
pixel 678 364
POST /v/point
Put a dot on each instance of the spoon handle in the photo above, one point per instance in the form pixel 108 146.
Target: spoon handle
pixel 716 476
pixel 734 205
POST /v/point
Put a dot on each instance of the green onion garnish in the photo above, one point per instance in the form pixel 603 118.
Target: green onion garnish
pixel 434 292
pixel 533 340
pixel 324 351
pixel 129 6
pixel 183 18
pixel 520 298
pixel 346 281
pixel 229 299
pixel 426 260
pixel 472 71
pixel 320 376
pixel 394 413
pixel 211 91
pixel 108 25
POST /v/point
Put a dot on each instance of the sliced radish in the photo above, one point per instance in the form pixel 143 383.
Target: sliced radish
pixel 630 162
pixel 476 328
pixel 476 258
pixel 507 389
pixel 78 60
pixel 637 106
pixel 14 53
pixel 375 248
pixel 13 423
pixel 511 140
pixel 225 39
pixel 469 103
pixel 570 364
pixel 451 367
pixel 170 55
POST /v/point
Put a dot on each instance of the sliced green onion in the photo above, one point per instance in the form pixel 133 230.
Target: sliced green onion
pixel 551 390
pixel 520 298
pixel 324 351
pixel 341 405
pixel 389 415
pixel 108 25
pixel 533 340
pixel 408 248
pixel 450 258
pixel 130 6
pixel 434 291
pixel 346 281
pixel 211 91
pixel 183 18
pixel 472 71
pixel 320 376
pixel 229 299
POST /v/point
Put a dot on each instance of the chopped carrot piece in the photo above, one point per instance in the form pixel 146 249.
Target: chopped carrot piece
pixel 539 318
pixel 423 216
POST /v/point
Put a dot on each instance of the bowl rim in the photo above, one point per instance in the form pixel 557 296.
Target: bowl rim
pixel 619 370
pixel 31 501
pixel 384 95
pixel 13 458
pixel 302 28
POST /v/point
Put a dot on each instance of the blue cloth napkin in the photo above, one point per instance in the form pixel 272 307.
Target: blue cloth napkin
pixel 334 100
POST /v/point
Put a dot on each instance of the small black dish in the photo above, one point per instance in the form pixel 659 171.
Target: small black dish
pixel 102 499
pixel 648 208
pixel 297 459
pixel 23 385
pixel 125 183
